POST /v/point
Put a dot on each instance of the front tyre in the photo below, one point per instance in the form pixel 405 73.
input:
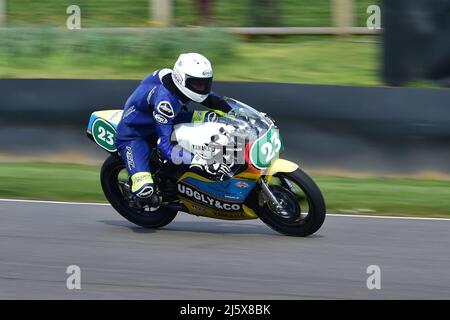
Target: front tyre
pixel 302 207
pixel 113 177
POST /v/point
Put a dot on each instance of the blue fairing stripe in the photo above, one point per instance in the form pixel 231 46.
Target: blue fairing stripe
pixel 227 190
pixel 91 121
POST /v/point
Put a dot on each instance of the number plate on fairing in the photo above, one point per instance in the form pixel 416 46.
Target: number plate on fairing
pixel 104 135
pixel 266 149
pixel 102 128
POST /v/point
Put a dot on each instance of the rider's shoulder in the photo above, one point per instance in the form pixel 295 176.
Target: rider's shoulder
pixel 156 76
pixel 164 95
pixel 162 72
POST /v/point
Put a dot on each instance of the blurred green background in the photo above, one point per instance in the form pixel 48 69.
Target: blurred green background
pixel 137 13
pixel 38 45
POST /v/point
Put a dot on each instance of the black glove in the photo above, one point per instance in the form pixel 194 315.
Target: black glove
pixel 217 171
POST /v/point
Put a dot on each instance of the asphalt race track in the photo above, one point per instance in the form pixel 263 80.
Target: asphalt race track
pixel 200 258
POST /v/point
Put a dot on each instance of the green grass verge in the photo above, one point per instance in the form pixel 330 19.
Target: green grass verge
pixel 49 181
pixel 313 60
pixel 53 53
pixel 73 182
pixel 66 53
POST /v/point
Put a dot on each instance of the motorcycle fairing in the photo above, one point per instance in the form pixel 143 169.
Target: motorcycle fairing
pixel 280 165
pixel 113 117
pixel 102 128
pixel 216 199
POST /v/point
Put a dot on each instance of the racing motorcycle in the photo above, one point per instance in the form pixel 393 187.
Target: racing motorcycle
pixel 260 184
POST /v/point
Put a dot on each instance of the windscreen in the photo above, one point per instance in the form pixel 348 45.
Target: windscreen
pixel 248 121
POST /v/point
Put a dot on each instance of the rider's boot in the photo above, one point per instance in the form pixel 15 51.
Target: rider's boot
pixel 143 188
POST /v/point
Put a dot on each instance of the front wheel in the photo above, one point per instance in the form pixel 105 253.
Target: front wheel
pixel 114 180
pixel 301 208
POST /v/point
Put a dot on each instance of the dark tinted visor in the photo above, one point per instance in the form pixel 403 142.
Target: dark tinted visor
pixel 199 85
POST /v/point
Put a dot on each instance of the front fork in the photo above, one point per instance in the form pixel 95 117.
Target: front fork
pixel 270 198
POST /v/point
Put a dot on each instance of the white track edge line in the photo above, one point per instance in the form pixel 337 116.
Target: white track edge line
pixel 328 214
pixel 386 217
pixel 56 202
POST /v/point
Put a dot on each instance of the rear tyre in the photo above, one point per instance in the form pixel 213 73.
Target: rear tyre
pixel 109 177
pixel 303 203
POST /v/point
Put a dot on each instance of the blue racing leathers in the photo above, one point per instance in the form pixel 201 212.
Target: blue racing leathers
pixel 151 112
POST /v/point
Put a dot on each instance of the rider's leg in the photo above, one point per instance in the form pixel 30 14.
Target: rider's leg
pixel 135 154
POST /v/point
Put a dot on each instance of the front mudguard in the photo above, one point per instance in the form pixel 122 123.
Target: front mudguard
pixel 279 165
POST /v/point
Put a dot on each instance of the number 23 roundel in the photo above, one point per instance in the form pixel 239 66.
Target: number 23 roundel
pixel 104 134
pixel 266 149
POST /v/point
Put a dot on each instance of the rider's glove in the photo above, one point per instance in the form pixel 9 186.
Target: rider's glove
pixel 217 171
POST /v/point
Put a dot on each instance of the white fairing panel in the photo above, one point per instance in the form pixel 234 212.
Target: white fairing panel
pixel 197 137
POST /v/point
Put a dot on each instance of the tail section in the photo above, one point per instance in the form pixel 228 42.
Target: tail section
pixel 102 128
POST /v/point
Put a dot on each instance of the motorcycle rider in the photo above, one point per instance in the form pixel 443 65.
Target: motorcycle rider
pixel 156 105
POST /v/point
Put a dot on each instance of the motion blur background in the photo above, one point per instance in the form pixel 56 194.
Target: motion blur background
pixel 358 88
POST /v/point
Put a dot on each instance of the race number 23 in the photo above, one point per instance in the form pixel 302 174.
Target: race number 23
pixel 272 147
pixel 104 134
pixel 266 149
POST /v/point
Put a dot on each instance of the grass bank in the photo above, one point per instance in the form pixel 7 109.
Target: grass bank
pixel 73 182
pixel 88 54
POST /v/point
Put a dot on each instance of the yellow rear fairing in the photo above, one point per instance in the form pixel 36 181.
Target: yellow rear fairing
pixel 112 116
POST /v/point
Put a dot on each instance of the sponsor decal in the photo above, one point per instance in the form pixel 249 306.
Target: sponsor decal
pixel 165 109
pixel 129 111
pixel 198 208
pixel 242 184
pixel 114 115
pixel 207 200
pixel 177 77
pixel 228 196
pixel 140 178
pixel 130 157
pixel 146 192
pixel 207 73
pixel 228 214
pixel 160 118
pixel 203 147
pixel 150 94
pixel 199 115
pixel 212 117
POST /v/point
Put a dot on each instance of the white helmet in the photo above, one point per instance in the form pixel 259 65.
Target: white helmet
pixel 192 74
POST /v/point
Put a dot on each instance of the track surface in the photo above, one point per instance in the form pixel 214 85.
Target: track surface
pixel 200 258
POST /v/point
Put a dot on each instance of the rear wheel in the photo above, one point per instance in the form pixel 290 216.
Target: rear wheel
pixel 115 185
pixel 301 208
